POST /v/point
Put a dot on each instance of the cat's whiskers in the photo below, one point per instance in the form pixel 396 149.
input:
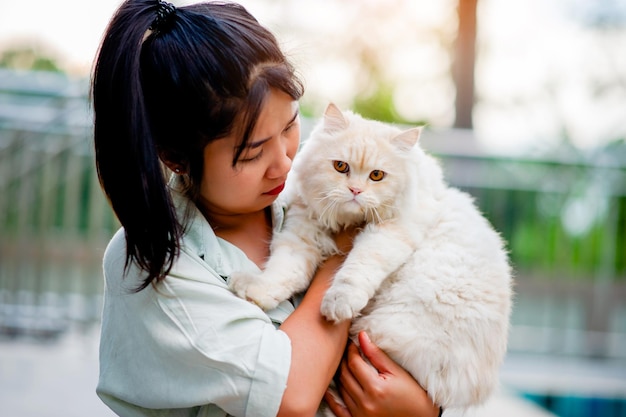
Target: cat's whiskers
pixel 389 208
pixel 372 215
pixel 377 214
pixel 369 215
pixel 328 205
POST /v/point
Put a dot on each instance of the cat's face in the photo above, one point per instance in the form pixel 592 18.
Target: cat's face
pixel 354 170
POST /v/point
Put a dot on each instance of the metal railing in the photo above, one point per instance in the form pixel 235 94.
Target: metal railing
pixel 564 219
pixel 54 220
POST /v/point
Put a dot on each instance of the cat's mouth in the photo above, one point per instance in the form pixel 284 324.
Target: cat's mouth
pixel 355 199
pixel 354 206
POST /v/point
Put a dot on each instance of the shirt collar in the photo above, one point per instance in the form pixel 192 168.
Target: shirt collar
pixel 200 239
pixel 221 256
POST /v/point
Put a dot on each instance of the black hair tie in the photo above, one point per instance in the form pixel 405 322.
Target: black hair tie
pixel 164 12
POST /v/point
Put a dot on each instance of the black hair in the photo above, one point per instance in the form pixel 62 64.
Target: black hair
pixel 166 92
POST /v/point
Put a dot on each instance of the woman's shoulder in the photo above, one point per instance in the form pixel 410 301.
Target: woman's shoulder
pixel 115 252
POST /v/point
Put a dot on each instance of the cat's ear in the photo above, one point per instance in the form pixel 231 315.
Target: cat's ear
pixel 334 120
pixel 407 139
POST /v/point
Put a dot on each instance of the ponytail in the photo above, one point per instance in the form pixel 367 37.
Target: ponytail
pixel 127 159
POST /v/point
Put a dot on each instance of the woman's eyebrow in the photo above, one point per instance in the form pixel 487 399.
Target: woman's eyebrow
pixel 260 142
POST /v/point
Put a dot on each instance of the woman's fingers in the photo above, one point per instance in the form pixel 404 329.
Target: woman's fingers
pixel 348 380
pixel 375 385
pixel 368 373
pixel 335 405
pixel 375 355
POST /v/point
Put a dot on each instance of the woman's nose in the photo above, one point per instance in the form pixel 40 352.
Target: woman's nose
pixel 281 164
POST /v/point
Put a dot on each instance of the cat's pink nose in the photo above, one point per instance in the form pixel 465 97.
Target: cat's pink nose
pixel 355 191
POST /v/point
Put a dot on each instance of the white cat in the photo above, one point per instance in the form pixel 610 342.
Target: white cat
pixel 428 278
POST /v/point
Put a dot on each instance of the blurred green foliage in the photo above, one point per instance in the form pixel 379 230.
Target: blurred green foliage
pixel 561 221
pixel 533 220
pixel 27 58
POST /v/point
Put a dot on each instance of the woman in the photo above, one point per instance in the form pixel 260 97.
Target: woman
pixel 205 90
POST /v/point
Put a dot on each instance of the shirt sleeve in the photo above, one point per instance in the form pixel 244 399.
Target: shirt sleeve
pixel 190 341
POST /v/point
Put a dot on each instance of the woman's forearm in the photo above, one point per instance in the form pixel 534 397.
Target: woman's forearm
pixel 317 347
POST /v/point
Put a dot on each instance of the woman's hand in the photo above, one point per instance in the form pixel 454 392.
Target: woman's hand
pixel 383 388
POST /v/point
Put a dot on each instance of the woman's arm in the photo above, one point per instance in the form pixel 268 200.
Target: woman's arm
pixel 383 388
pixel 317 345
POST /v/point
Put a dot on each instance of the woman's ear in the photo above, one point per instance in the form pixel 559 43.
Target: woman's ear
pixel 172 161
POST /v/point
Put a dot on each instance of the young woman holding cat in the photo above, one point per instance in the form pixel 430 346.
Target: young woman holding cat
pixel 206 90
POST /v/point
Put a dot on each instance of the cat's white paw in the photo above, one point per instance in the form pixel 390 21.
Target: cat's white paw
pixel 343 303
pixel 254 288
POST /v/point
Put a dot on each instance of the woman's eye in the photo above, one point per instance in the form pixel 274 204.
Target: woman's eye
pixel 377 175
pixel 248 158
pixel 341 166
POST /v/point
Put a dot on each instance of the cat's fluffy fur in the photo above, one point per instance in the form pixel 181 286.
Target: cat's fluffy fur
pixel 428 278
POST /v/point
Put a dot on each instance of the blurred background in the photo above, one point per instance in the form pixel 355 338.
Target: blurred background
pixel 523 102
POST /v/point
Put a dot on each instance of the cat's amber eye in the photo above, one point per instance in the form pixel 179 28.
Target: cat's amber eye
pixel 377 175
pixel 341 166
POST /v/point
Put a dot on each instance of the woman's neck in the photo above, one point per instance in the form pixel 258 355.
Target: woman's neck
pixel 237 222
pixel 250 232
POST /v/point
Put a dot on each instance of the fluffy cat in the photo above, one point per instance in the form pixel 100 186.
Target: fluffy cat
pixel 428 278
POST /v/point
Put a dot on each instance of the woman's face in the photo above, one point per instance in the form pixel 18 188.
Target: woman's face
pixel 259 176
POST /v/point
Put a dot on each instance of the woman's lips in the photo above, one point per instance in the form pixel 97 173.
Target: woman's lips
pixel 276 190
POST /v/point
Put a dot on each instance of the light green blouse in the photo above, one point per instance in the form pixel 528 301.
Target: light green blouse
pixel 189 346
